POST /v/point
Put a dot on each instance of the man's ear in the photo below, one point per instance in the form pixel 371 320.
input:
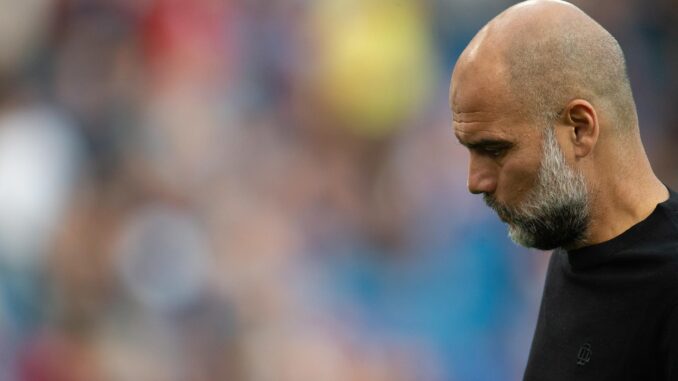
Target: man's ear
pixel 582 118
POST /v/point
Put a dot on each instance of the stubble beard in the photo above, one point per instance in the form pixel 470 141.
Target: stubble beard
pixel 555 212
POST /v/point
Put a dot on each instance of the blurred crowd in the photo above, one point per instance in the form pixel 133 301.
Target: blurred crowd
pixel 265 190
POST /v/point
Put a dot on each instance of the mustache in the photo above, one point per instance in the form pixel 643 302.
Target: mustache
pixel 504 212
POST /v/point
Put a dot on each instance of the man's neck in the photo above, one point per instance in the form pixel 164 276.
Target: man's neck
pixel 617 206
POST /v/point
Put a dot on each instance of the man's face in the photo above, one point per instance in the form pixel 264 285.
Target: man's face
pixel 521 171
pixel 554 212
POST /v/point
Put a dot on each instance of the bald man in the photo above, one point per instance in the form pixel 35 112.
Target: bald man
pixel 541 99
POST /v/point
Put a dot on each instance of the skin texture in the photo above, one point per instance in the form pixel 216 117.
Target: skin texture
pixel 546 64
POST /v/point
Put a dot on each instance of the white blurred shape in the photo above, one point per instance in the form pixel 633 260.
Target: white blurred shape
pixel 40 157
pixel 164 258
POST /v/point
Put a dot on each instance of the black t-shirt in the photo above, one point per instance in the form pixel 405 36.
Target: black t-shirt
pixel 610 311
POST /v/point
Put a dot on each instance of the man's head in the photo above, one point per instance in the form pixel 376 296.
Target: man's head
pixel 542 100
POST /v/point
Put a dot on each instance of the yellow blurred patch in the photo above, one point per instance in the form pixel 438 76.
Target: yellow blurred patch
pixel 376 62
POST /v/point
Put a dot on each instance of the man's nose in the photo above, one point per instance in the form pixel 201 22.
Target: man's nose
pixel 481 179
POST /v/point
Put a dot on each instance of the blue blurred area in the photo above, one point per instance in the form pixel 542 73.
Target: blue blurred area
pixel 265 190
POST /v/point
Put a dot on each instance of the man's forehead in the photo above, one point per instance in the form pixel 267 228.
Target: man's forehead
pixel 474 116
pixel 479 99
pixel 471 132
pixel 479 80
pixel 479 94
pixel 491 124
pixel 484 118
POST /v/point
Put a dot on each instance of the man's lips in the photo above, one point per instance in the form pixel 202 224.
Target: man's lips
pixel 498 208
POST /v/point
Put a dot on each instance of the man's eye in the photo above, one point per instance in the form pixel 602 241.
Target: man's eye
pixel 495 152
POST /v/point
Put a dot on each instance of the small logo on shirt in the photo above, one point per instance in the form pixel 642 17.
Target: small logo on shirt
pixel 584 355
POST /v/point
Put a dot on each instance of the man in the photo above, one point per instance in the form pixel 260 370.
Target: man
pixel 541 99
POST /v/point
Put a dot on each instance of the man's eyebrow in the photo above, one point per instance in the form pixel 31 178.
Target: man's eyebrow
pixel 487 143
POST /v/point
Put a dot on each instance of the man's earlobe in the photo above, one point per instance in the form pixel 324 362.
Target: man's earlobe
pixel 582 117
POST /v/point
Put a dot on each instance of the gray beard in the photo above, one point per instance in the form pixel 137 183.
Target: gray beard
pixel 555 212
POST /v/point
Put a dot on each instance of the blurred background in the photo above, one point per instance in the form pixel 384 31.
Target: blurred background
pixel 265 190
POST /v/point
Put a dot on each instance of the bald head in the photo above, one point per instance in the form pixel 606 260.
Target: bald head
pixel 545 63
pixel 545 53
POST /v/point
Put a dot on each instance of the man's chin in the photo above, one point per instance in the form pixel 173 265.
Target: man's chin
pixel 529 241
pixel 518 237
pixel 545 242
